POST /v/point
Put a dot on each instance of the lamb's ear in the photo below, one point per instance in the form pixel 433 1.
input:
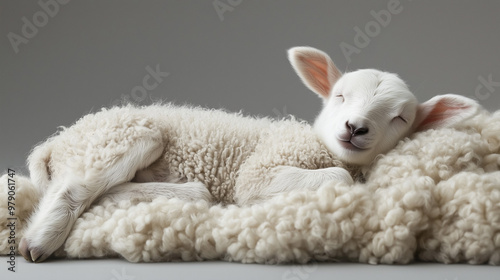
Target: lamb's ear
pixel 315 69
pixel 444 111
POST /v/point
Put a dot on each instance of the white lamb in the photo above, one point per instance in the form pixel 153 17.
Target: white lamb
pixel 192 153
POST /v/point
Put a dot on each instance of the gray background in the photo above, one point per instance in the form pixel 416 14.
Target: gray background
pixel 93 53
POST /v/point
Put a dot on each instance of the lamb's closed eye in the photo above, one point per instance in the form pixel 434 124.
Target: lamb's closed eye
pixel 400 118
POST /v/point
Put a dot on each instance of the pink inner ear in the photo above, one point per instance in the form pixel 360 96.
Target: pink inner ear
pixel 317 70
pixel 442 110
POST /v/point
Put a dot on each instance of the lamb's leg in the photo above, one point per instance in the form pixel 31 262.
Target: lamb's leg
pixel 288 178
pixel 145 192
pixel 69 194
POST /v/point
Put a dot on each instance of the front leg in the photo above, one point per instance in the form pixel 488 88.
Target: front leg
pixel 288 178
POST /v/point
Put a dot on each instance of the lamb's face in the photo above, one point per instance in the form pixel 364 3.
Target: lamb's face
pixel 366 113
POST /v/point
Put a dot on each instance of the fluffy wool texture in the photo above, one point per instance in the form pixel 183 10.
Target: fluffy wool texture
pixel 435 197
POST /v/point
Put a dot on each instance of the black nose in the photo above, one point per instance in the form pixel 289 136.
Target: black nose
pixel 356 131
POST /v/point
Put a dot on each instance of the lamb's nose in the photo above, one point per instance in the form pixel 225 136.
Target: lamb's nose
pixel 356 131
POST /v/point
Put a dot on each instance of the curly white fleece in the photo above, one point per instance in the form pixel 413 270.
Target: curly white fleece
pixel 435 197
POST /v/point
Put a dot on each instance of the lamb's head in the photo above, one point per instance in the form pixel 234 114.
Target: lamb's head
pixel 366 112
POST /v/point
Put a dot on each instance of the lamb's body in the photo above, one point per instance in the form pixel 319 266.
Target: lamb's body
pixel 227 152
pixel 202 145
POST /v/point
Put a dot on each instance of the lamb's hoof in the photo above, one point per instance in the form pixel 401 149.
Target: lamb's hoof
pixel 31 254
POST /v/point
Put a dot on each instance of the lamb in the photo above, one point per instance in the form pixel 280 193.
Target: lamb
pixel 193 153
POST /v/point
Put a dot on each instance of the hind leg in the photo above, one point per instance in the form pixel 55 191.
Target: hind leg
pixel 73 189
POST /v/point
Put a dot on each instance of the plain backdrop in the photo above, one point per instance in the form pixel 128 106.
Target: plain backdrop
pixel 228 54
pixel 61 60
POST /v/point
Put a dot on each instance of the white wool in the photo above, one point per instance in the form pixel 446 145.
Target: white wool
pixel 435 197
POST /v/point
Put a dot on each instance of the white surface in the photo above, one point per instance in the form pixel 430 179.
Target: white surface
pixel 118 269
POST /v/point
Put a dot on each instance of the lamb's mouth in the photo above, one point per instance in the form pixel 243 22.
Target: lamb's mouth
pixel 348 145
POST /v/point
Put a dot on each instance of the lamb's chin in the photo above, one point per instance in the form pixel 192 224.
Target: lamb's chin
pixel 351 154
pixel 346 145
